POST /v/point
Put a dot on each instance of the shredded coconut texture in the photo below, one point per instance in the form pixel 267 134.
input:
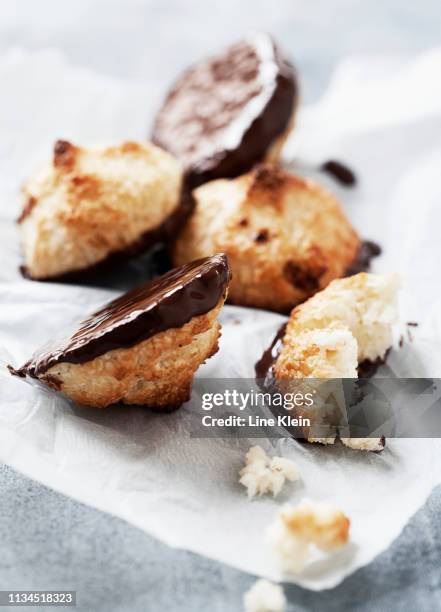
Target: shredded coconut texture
pixel 365 444
pixel 264 474
pixel 296 529
pixel 264 596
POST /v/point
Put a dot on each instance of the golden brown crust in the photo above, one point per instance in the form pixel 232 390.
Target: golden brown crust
pixel 65 155
pixel 28 205
pixel 157 372
pixel 285 237
pixel 317 353
pixel 91 203
pixel 308 524
pixel 326 527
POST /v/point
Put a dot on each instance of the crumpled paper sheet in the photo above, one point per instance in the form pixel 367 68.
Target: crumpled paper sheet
pixel 381 116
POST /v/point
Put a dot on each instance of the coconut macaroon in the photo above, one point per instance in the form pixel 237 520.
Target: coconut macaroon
pixel 90 206
pixel 336 333
pixel 230 111
pixel 144 347
pixel 298 528
pixel 285 237
pixel 339 328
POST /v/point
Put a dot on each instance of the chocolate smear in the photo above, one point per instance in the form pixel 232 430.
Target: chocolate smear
pixel 368 368
pixel 340 172
pixel 362 263
pixel 264 367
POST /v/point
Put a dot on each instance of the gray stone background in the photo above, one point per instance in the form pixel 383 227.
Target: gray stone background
pixel 48 541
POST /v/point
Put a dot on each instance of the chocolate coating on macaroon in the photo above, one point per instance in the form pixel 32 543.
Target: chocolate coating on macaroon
pixel 223 114
pixel 169 301
pixel 362 262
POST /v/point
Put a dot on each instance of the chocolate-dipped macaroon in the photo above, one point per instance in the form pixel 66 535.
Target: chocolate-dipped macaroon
pixel 333 335
pixel 92 207
pixel 230 111
pixel 145 346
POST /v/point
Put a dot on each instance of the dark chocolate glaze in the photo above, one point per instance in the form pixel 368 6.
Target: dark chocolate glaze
pixel 264 367
pixel 369 367
pixel 169 301
pixel 340 172
pixel 206 120
pixel 362 263
pixel 160 234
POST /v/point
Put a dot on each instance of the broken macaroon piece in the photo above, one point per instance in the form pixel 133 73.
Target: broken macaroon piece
pixel 334 332
pixel 286 238
pixel 265 474
pixel 145 346
pixel 92 207
pixel 337 333
pixel 298 528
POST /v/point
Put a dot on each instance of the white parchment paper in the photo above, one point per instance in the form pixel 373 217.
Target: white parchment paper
pixel 381 116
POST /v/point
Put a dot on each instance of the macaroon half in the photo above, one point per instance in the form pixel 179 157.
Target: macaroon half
pixel 340 332
pixel 338 329
pixel 145 346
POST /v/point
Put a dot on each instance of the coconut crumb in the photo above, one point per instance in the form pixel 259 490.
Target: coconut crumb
pixel 264 596
pixel 365 444
pixel 329 440
pixel 264 474
pixel 296 529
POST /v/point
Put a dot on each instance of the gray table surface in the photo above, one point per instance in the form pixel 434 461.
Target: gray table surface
pixel 48 541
